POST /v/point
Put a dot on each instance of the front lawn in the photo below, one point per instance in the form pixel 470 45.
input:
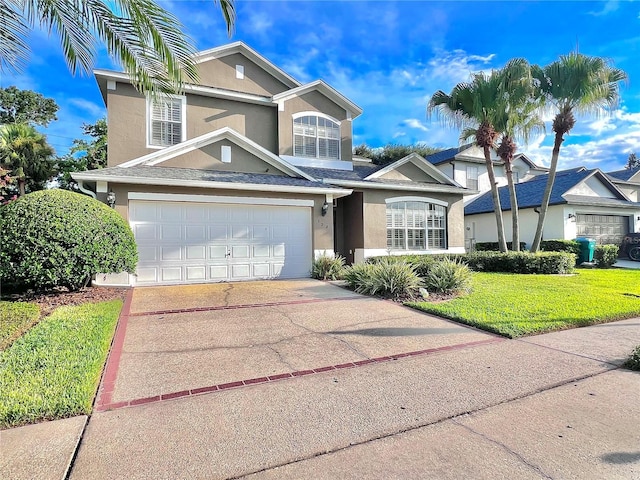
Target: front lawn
pixel 15 319
pixel 515 305
pixel 54 369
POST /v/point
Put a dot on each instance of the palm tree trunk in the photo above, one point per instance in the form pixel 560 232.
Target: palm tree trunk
pixel 535 246
pixel 21 187
pixel 515 215
pixel 502 243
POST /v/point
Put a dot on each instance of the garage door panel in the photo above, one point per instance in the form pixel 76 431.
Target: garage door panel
pixel 196 273
pixel 180 242
pixel 218 232
pixel 196 252
pixel 218 252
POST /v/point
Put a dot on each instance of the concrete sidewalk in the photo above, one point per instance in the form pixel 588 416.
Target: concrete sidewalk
pixel 493 411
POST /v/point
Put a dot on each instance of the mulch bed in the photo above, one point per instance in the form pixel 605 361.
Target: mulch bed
pixel 49 301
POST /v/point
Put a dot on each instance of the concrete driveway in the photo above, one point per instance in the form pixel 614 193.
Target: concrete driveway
pixel 179 340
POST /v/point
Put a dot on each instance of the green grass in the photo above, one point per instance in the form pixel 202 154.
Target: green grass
pixel 15 319
pixel 516 305
pixel 54 369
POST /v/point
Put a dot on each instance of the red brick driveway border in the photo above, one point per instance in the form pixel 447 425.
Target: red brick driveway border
pixel 107 385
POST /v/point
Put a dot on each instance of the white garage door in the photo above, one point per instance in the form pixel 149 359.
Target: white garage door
pixel 182 242
pixel 604 228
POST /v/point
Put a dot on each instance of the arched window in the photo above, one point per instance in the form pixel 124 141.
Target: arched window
pixel 416 225
pixel 316 136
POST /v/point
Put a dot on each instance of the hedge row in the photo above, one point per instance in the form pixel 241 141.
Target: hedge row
pixel 493 246
pixel 509 262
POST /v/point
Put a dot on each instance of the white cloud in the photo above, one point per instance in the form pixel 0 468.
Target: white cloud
pixel 608 7
pixel 86 107
pixel 415 123
pixel 259 22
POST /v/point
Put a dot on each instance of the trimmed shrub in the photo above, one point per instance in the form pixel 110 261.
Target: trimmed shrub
pixel 570 246
pixel 633 362
pixel 606 255
pixel 522 262
pixel 15 319
pixel 493 246
pixel 56 238
pixel 327 267
pixel 448 276
pixel 387 278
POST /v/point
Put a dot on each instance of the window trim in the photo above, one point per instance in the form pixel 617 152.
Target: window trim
pixel 426 202
pixel 183 114
pixel 467 178
pixel 319 115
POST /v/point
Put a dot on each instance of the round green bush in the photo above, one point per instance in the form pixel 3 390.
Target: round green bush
pixel 57 238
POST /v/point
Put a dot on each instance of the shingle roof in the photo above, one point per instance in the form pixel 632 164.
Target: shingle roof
pixel 624 174
pixel 358 173
pixel 529 193
pixel 445 155
pixel 189 174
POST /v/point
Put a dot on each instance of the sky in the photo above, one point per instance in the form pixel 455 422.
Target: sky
pixel 389 58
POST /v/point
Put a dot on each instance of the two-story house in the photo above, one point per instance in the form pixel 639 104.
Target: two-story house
pixel 249 174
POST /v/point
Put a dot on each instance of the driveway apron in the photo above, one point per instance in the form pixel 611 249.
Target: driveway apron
pixel 184 339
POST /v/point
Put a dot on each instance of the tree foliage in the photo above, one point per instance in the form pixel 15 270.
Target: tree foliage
pixel 145 39
pixel 632 162
pixel 84 154
pixel 392 152
pixel 26 156
pixel 26 106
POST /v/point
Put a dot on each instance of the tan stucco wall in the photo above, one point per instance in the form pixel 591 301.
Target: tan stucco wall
pixel 221 73
pixel 322 227
pixel 410 172
pixel 127 119
pixel 375 216
pixel 209 158
pixel 313 102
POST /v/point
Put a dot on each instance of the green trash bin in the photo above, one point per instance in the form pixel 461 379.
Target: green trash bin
pixel 587 249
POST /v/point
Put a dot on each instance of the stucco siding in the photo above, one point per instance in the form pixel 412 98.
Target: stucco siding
pixel 313 102
pixel 221 73
pixel 127 119
pixel 209 158
pixel 409 172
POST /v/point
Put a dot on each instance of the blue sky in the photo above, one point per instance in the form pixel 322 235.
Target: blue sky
pixel 389 58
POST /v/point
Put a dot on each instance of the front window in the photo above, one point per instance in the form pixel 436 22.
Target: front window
pixel 472 178
pixel 416 226
pixel 166 121
pixel 316 136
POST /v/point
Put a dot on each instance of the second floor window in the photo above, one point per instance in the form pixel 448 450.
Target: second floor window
pixel 166 121
pixel 472 178
pixel 316 136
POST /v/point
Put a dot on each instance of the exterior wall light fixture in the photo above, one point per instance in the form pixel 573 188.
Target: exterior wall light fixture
pixel 572 217
pixel 325 208
pixel 111 199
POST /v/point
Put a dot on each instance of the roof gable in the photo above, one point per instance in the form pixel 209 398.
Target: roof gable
pixel 631 175
pixel 251 54
pixel 328 91
pixel 226 133
pixel 423 165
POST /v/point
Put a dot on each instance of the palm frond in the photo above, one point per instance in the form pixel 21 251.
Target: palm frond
pixel 14 51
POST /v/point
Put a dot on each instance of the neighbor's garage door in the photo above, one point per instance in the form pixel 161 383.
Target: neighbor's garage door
pixel 181 242
pixel 604 228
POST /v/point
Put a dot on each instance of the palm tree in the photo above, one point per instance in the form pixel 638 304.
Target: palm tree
pixel 26 154
pixel 573 84
pixel 147 40
pixel 521 106
pixel 477 107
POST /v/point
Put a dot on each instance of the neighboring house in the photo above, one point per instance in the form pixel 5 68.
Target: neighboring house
pixel 583 203
pixel 628 181
pixel 250 175
pixel 466 165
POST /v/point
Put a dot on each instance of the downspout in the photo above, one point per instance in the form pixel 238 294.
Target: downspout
pixel 86 191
